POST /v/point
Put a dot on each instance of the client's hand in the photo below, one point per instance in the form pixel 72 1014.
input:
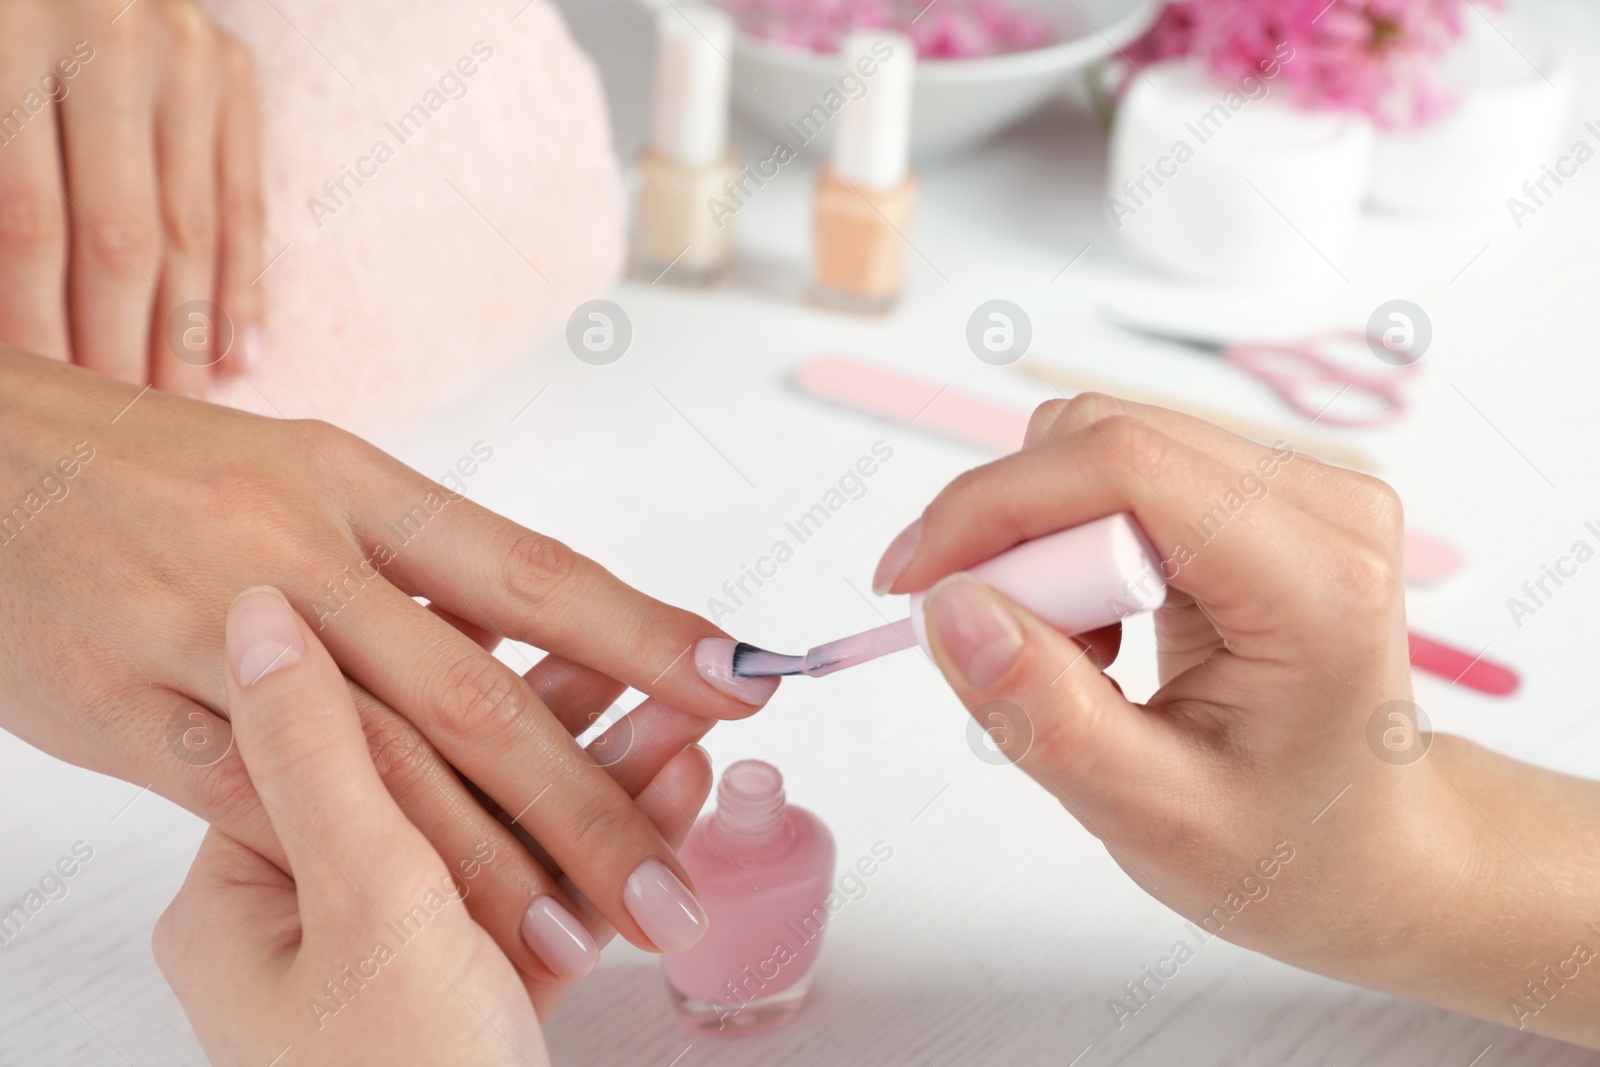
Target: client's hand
pixel 127 523
pixel 130 189
pixel 1276 789
pixel 360 950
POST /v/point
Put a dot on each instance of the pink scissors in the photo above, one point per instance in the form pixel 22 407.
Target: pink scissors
pixel 1304 374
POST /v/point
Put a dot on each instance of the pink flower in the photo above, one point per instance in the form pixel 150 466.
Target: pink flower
pixel 1377 57
pixel 945 29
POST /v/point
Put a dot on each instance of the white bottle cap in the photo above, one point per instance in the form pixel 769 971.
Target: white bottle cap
pixel 694 55
pixel 872 147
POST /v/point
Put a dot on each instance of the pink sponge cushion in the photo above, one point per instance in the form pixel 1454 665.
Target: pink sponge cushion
pixel 489 202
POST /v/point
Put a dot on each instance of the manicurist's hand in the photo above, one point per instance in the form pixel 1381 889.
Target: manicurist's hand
pixel 360 949
pixel 127 525
pixel 1275 789
pixel 130 189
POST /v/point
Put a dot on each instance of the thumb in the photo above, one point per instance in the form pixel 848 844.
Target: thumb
pixel 1039 697
pixel 302 742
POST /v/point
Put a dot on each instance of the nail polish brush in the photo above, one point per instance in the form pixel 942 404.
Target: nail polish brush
pixel 1078 579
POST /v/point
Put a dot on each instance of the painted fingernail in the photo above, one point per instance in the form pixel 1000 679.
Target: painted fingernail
pixel 981 638
pixel 557 937
pixel 713 659
pixel 263 635
pixel 248 351
pixel 896 558
pixel 664 908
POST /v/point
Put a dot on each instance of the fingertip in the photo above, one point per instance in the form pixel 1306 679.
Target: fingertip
pixel 1043 418
pixel 897 558
pixel 713 662
pixel 976 636
pixel 263 635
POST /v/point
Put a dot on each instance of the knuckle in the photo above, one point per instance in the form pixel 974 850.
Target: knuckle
pixel 237 61
pixel 1383 506
pixel 1064 740
pixel 1135 442
pixel 401 755
pixel 317 441
pixel 1369 573
pixel 226 794
pixel 1096 407
pixel 537 569
pixel 186 23
pixel 597 826
pixel 191 227
pixel 166 937
pixel 479 699
pixel 243 208
pixel 121 240
pixel 33 223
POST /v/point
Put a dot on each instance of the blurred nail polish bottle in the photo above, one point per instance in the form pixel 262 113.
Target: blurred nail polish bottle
pixel 687 162
pixel 867 194
pixel 763 871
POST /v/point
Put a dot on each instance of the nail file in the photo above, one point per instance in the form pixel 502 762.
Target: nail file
pixel 1462 668
pixel 975 421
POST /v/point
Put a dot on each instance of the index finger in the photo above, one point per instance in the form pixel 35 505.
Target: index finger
pixel 532 588
pixel 1242 555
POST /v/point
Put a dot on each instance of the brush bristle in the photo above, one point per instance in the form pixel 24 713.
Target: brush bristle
pixel 749 661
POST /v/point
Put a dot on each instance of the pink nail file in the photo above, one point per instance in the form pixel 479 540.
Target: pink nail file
pixel 975 421
pixel 893 396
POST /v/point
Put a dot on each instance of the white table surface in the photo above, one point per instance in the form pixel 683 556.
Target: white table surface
pixel 1000 928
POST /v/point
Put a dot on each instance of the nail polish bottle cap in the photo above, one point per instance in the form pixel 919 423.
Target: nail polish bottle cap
pixel 1077 580
pixel 689 118
pixel 872 144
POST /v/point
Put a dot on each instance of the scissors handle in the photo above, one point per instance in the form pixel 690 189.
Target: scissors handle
pixel 1303 385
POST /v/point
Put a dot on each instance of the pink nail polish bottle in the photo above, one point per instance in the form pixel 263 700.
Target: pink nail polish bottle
pixel 762 870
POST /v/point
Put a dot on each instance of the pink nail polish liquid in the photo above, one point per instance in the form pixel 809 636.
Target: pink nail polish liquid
pixel 762 870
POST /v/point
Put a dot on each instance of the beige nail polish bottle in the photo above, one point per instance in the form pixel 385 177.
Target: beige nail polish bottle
pixel 687 161
pixel 867 194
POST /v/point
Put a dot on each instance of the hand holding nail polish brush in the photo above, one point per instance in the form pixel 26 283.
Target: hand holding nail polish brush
pixel 1078 579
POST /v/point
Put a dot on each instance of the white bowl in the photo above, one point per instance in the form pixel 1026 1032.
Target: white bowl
pixel 958 102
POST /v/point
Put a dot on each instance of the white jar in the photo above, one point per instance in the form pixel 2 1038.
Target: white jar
pixel 1231 182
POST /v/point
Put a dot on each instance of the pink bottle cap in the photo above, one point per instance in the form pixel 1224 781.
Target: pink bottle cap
pixel 1077 580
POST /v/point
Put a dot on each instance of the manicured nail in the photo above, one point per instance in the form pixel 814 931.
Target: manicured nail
pixel 559 939
pixel 896 558
pixel 664 908
pixel 713 658
pixel 979 636
pixel 263 634
pixel 1044 417
pixel 247 352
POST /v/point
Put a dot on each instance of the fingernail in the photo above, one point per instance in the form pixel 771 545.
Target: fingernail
pixel 896 558
pixel 248 351
pixel 557 937
pixel 263 634
pixel 979 636
pixel 664 908
pixel 1044 417
pixel 713 658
